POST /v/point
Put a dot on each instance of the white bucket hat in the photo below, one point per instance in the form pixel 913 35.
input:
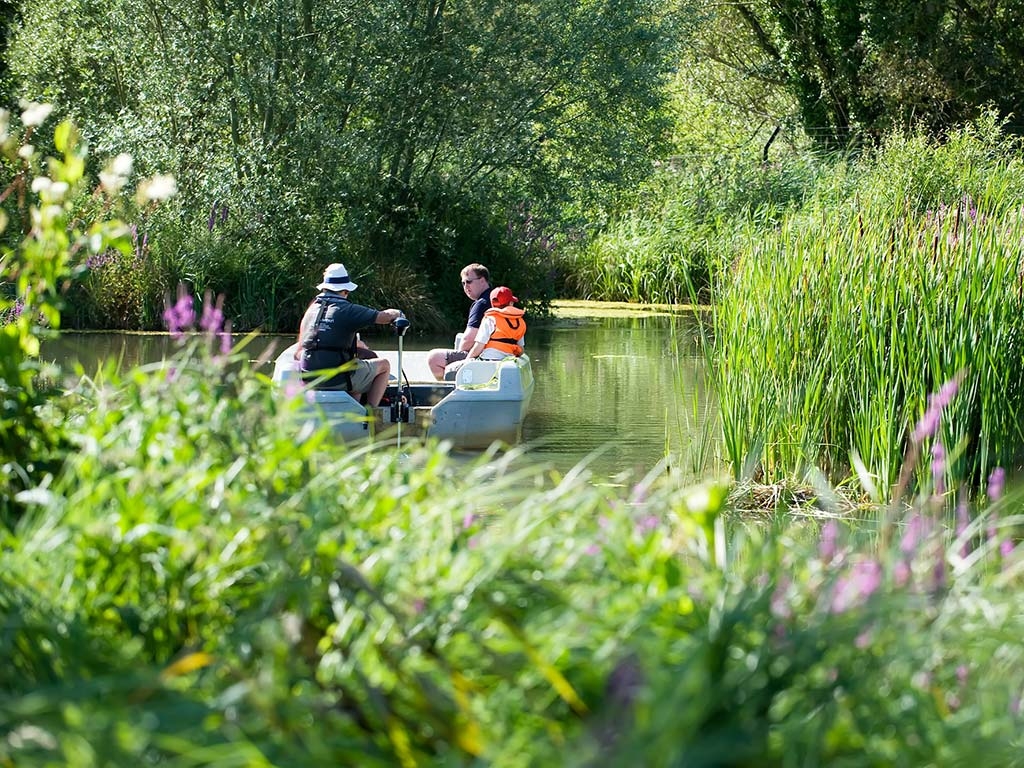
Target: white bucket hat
pixel 336 279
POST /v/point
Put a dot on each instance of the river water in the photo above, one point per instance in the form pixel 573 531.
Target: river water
pixel 623 394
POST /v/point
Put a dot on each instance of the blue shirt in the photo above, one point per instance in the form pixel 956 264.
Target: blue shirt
pixel 476 312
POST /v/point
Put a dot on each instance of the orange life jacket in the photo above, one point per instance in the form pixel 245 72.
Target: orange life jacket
pixel 509 329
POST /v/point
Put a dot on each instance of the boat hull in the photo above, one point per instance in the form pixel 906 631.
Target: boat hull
pixel 486 403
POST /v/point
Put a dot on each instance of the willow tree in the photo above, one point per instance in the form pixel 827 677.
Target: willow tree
pixel 365 121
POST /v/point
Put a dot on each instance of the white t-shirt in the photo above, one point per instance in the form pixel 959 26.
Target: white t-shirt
pixel 483 335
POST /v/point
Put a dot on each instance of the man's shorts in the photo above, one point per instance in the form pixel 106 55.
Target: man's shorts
pixel 362 376
pixel 453 361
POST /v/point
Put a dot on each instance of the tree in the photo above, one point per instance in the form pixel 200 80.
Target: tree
pixel 858 68
pixel 349 122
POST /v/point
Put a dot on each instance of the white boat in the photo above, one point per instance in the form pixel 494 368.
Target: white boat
pixel 486 402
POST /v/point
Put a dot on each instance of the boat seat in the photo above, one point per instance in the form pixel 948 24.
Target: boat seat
pixel 477 373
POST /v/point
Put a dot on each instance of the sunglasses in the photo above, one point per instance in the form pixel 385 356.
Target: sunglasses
pixel 471 280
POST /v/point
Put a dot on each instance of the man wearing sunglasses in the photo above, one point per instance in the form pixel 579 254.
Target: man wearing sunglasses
pixel 476 283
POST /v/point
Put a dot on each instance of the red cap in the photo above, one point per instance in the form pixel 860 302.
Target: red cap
pixel 502 296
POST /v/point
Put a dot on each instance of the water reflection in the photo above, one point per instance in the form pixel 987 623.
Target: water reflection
pixel 621 393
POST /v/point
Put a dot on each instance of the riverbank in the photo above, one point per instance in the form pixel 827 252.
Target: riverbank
pixel 582 309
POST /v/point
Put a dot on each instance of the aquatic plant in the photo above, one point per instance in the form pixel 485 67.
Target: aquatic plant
pixel 830 333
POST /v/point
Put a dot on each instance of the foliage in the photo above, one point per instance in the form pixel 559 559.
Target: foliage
pixel 235 590
pixel 687 227
pixel 830 332
pixel 858 69
pixel 373 134
pixel 232 586
pixel 32 275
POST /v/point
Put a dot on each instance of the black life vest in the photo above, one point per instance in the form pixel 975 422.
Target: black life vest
pixel 328 343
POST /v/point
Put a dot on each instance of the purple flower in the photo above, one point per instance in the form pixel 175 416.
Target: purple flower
pixel 12 313
pixel 829 541
pixel 918 527
pixel 467 520
pixel 927 426
pixel 996 481
pixel 939 468
pixel 647 524
pixel 780 607
pixel 213 318
pixel 593 549
pixel 947 392
pixel 863 581
pixel 180 317
pixel 901 573
pixel 98 260
pixel 929 423
pixel 961 674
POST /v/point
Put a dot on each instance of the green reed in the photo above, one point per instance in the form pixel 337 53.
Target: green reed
pixel 831 332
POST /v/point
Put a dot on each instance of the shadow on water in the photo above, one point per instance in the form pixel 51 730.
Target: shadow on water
pixel 619 393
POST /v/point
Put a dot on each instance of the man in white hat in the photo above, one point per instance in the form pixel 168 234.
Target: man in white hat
pixel 328 339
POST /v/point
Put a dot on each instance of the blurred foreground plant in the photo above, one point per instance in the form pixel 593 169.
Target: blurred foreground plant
pixel 33 272
pixel 235 589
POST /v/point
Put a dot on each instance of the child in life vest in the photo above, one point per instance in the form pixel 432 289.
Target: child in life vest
pixel 502 330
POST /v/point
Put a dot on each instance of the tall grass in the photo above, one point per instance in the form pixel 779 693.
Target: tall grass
pixel 685 228
pixel 830 331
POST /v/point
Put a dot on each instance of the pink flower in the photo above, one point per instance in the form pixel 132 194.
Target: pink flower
pixel 901 573
pixel 963 519
pixel 918 527
pixel 863 581
pixel 647 524
pixel 996 481
pixel 828 547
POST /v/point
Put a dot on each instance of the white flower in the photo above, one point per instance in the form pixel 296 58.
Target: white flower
pixel 160 187
pixel 41 183
pixel 26 151
pixel 5 124
pixel 122 164
pixel 34 113
pixel 114 176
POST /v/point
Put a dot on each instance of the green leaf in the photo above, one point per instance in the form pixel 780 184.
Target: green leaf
pixel 64 137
